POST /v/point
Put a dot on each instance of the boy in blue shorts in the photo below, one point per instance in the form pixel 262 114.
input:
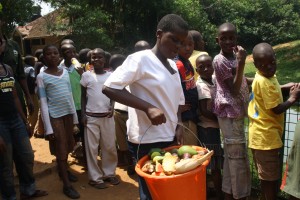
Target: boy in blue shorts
pixel 266 114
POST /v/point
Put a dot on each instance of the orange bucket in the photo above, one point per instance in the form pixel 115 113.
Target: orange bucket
pixel 187 186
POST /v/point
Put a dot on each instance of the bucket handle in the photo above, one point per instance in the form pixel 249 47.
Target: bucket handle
pixel 180 124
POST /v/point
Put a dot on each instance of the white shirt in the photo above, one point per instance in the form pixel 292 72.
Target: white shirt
pixel 149 80
pixel 97 102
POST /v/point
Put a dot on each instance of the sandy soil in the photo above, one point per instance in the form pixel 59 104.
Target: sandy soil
pixel 47 178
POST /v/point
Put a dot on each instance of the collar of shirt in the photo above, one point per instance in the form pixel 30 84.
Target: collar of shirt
pixel 69 69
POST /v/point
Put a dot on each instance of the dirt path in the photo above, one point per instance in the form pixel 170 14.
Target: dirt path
pixel 47 178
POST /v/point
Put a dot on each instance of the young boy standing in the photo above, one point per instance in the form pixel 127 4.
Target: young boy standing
pixel 97 112
pixel 155 91
pixel 189 115
pixel 68 52
pixel 208 126
pixel 266 114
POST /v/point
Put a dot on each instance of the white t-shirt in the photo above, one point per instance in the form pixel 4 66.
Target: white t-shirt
pixel 149 80
pixel 97 102
pixel 206 91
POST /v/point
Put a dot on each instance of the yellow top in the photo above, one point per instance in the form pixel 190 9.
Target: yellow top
pixel 265 127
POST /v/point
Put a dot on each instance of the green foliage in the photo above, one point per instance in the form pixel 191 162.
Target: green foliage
pixel 288 62
pixel 16 12
pixel 272 21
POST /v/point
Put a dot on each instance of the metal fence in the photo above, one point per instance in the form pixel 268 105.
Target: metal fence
pixel 292 116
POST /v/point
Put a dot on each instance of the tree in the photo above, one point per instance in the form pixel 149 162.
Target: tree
pixel 17 13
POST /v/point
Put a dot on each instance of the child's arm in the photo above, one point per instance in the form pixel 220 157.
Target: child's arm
pixel 294 96
pixel 205 112
pixel 111 109
pixel 83 105
pixel 44 108
pixel 20 109
pixel 155 115
pixel 235 84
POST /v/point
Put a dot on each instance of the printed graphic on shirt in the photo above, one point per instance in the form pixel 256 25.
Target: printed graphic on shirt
pixel 7 84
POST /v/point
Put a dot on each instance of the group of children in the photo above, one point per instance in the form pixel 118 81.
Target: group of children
pixel 163 102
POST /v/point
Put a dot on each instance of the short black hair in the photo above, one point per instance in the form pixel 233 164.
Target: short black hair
pixel 38 52
pixel 196 35
pixel 82 55
pixel 172 23
pixel 116 60
pixel 48 47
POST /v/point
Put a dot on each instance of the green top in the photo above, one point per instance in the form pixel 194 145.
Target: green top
pixel 76 88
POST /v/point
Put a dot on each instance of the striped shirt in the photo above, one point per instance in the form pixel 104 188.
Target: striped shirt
pixel 55 97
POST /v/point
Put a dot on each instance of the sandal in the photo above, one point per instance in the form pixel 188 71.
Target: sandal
pixel 98 185
pixel 112 180
pixel 36 194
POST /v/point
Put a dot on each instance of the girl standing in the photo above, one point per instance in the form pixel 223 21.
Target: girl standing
pixel 58 114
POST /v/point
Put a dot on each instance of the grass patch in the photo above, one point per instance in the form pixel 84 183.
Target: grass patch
pixel 288 62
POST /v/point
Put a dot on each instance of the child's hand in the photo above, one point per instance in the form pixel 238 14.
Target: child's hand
pixel 84 120
pixel 241 54
pixel 179 135
pixel 50 137
pixel 156 116
pixel 111 112
pixel 295 91
pixel 185 107
pixel 29 130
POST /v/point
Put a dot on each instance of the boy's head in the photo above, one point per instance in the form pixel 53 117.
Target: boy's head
pixel 107 58
pixel 67 41
pixel 187 47
pixel 37 53
pixel 204 66
pixel 51 55
pixel 68 52
pixel 171 32
pixel 198 40
pixel 82 55
pixel 116 60
pixel 98 58
pixel 29 60
pixel 227 37
pixel 141 45
pixel 264 59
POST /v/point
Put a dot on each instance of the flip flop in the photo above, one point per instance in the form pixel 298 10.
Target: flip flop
pixel 36 194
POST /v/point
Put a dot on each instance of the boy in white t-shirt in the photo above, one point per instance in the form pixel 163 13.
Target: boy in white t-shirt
pixel 155 91
pixel 97 112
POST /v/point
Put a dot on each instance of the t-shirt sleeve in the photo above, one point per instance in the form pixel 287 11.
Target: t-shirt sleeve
pixel 271 95
pixel 83 80
pixel 181 69
pixel 44 105
pixel 222 70
pixel 130 71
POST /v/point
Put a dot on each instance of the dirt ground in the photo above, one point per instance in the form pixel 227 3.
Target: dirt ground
pixel 47 178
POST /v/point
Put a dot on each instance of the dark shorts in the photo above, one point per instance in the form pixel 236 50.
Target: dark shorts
pixel 210 137
pixel 267 163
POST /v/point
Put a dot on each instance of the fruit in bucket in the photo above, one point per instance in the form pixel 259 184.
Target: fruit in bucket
pixel 176 161
pixel 186 149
